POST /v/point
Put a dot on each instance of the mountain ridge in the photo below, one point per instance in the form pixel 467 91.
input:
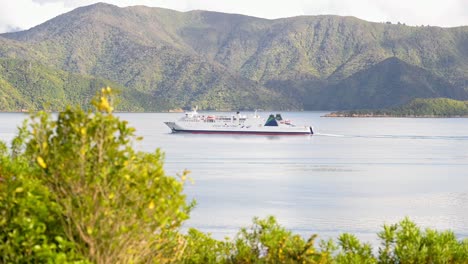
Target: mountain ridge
pixel 192 57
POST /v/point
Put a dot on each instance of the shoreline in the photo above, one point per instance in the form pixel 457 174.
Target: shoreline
pixel 349 115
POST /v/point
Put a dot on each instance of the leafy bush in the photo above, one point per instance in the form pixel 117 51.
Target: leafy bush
pixel 202 248
pixel 115 204
pixel 406 243
pixel 264 242
pixel 353 251
pixel 30 227
pixel 268 242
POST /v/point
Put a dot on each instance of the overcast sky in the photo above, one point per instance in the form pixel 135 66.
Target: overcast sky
pixel 24 14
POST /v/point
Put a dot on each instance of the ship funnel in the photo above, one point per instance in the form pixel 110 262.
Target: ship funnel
pixel 271 121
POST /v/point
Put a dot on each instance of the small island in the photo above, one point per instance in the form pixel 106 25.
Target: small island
pixel 425 108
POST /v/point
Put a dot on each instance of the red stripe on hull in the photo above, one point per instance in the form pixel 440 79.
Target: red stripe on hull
pixel 245 133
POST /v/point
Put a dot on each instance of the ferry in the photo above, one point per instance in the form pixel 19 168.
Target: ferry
pixel 193 122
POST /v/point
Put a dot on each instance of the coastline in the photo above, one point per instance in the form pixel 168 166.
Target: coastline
pixel 354 115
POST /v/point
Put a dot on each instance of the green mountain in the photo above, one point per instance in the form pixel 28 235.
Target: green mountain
pixel 432 107
pixel 32 86
pixel 228 61
pixel 388 83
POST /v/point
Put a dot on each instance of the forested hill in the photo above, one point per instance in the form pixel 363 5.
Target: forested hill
pixel 433 107
pixel 226 61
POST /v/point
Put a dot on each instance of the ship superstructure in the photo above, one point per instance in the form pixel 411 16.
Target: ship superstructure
pixel 193 122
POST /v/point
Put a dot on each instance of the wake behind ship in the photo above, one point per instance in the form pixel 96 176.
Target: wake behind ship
pixel 193 122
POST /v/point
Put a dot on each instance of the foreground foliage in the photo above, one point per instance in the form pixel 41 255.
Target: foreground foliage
pixel 73 190
pixel 267 242
pixel 113 204
pixel 30 230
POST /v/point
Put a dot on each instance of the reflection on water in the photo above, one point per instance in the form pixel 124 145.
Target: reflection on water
pixel 354 175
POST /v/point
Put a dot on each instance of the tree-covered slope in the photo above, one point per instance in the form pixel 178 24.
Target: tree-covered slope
pixel 223 61
pixel 433 107
pixel 388 83
pixel 32 86
pixel 107 41
pixel 429 107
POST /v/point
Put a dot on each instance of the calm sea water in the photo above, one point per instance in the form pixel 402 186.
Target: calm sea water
pixel 354 175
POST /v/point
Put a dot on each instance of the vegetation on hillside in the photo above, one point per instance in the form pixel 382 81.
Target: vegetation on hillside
pixel 227 61
pixel 389 83
pixel 31 86
pixel 434 107
pixel 73 190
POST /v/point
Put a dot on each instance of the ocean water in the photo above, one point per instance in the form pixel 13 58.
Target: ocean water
pixel 353 175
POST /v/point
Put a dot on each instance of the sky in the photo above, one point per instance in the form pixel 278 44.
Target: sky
pixel 23 14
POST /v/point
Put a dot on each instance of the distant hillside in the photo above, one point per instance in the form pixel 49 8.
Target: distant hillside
pixel 386 84
pixel 228 61
pixel 434 107
pixel 31 86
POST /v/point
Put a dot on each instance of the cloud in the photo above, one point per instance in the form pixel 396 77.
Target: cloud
pixel 448 13
pixel 9 28
pixel 23 14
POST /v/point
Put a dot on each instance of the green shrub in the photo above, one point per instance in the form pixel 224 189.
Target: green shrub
pixel 202 248
pixel 30 226
pixel 268 242
pixel 406 243
pixel 114 204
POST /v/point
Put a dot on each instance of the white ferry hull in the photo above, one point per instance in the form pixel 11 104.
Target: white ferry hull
pixel 204 128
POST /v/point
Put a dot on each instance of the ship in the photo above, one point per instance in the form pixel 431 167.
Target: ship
pixel 195 123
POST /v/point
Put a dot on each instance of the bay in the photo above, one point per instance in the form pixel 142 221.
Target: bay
pixel 353 175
